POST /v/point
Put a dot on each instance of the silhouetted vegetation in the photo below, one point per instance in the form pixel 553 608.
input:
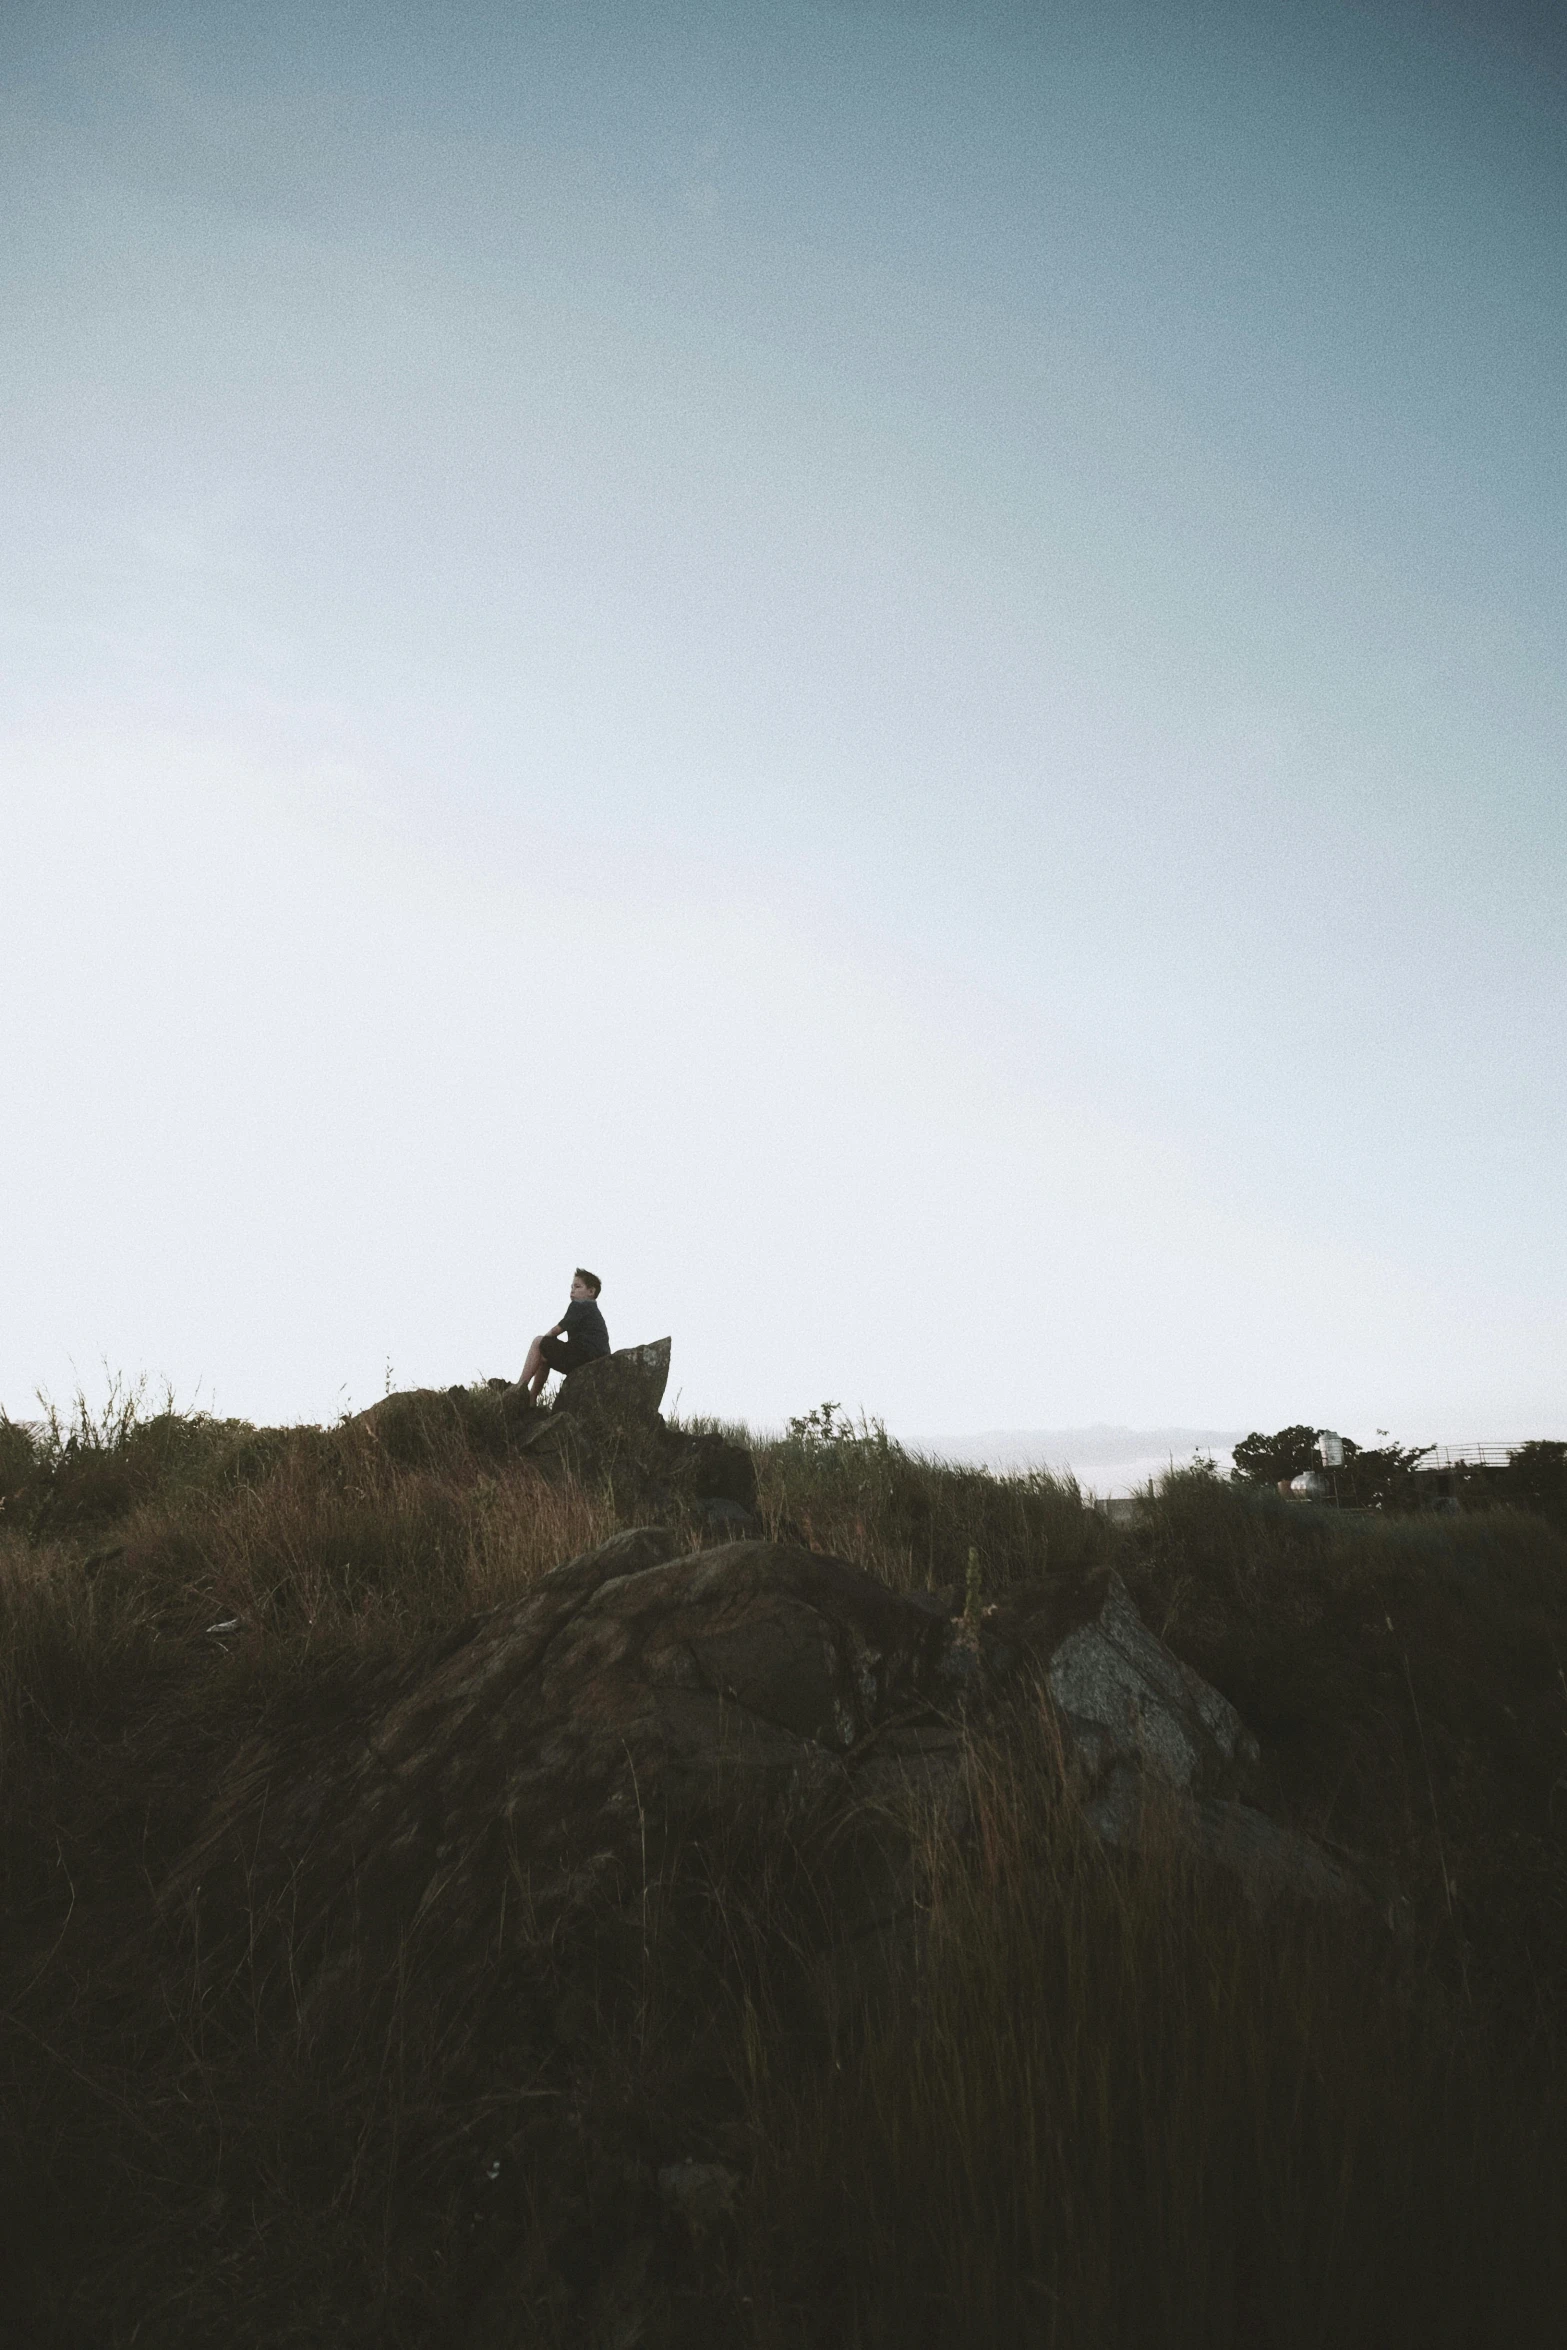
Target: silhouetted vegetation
pixel 1113 2104
pixel 1534 1478
pixel 1370 1477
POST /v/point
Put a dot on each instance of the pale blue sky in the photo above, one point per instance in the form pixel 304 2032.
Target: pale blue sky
pixel 894 672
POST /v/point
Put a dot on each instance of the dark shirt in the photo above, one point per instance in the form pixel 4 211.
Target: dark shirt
pixel 583 1327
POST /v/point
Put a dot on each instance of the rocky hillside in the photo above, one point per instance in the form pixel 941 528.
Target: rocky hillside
pixel 494 1875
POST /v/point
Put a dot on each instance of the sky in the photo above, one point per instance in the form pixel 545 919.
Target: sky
pixel 894 673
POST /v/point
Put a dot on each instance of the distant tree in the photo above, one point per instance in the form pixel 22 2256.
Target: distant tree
pixel 1535 1478
pixel 1264 1460
pixel 1382 1476
pixel 1374 1476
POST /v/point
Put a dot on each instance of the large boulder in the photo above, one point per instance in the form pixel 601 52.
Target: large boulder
pixel 1158 1748
pixel 1123 1698
pixel 417 1425
pixel 1151 1747
pixel 617 1395
pixel 627 1386
pixel 632 1700
pixel 606 1429
pixel 638 1698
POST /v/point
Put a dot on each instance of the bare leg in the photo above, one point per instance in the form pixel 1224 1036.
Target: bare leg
pixel 535 1370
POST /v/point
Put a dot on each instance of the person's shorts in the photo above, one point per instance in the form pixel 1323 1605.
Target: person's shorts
pixel 561 1355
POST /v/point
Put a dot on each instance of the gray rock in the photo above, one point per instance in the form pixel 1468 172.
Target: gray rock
pixel 1157 1749
pixel 419 1424
pixel 625 1386
pixel 606 1430
pixel 1128 1809
pixel 1124 1698
pixel 572 1739
pixel 563 1748
pixel 1270 1859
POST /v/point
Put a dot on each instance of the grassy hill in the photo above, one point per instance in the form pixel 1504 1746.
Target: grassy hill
pixel 1116 2103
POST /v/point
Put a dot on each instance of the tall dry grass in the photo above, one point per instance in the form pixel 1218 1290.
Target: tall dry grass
pixel 333 1537
pixel 339 1534
pixel 238 2175
pixel 1118 2103
pixel 912 1521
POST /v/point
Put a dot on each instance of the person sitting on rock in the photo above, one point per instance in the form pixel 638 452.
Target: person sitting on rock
pixel 578 1337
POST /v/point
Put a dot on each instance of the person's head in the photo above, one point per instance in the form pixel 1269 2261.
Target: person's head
pixel 585 1284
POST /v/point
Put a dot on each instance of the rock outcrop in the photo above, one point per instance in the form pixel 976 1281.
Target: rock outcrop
pixel 417 1424
pixel 627 1385
pixel 633 1700
pixel 1125 1699
pixel 638 1699
pixel 604 1429
pixel 1156 1747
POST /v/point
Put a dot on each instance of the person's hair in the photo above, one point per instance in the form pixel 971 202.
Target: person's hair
pixel 592 1279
